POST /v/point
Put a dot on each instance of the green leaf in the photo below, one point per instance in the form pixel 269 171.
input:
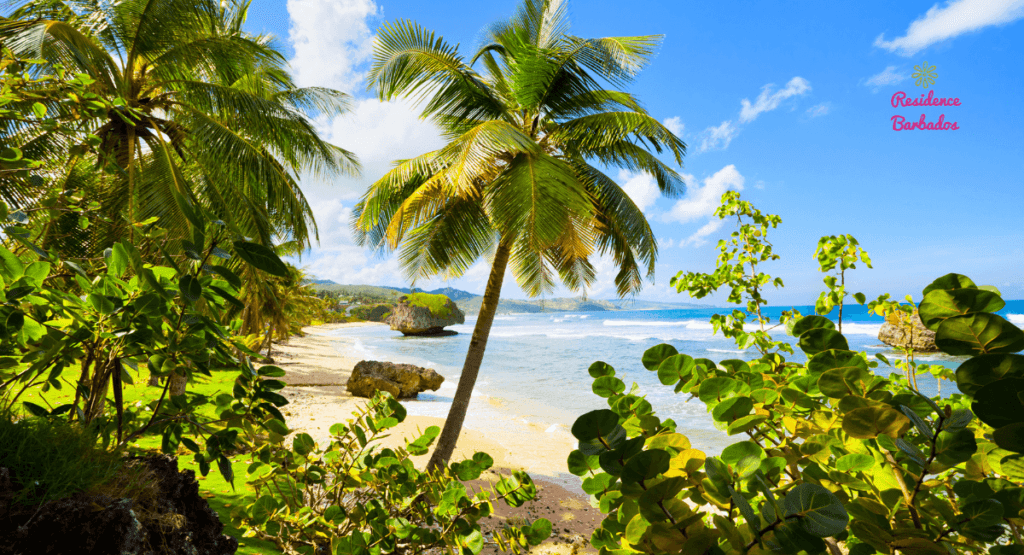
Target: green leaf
pixel 1010 437
pixel 854 462
pixel 822 513
pixel 675 368
pixel 35 409
pixel 939 305
pixel 537 532
pixel 11 267
pixel 607 386
pixel 580 464
pixel 190 288
pixel 978 371
pixel 949 282
pixel 870 422
pixel 833 360
pixel 657 354
pixel 953 448
pixel 303 444
pixel 600 369
pixel 228 276
pixel 812 322
pixel 840 382
pixel 982 513
pixel 277 426
pixel 262 258
pixel 997 404
pixel 645 465
pixel 977 334
pixel 732 409
pixel 817 340
pixel 721 388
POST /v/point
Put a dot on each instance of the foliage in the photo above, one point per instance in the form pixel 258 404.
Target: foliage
pixel 835 458
pixel 196 107
pixel 737 268
pixel 51 459
pixel 107 320
pixel 372 313
pixel 838 254
pixel 352 497
pixel 436 304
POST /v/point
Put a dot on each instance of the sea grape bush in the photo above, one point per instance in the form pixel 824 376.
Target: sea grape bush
pixel 834 454
pixel 108 319
pixel 835 458
pixel 837 254
pixel 352 497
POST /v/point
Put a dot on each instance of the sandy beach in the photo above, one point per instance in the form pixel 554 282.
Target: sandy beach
pixel 317 370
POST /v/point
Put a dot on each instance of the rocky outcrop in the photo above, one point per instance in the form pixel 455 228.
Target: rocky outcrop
pixel 425 314
pixel 901 333
pixel 167 516
pixel 402 381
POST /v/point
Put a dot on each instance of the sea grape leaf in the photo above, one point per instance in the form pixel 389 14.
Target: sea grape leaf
pixel 977 334
pixel 940 304
pixel 675 368
pixel 607 386
pixel 732 409
pixel 822 513
pixel 600 369
pixel 871 422
pixel 949 282
pixel 810 323
pixel 953 448
pixel 835 360
pixel 645 465
pixel 978 371
pixel 997 404
pixel 817 340
pixel 854 462
pixel 657 354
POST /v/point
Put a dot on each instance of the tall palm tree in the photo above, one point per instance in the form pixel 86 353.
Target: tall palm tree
pixel 209 112
pixel 516 176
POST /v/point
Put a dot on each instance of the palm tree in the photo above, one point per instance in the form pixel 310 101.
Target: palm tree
pixel 207 112
pixel 516 176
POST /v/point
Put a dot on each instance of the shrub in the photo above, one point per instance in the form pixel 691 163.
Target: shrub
pixel 52 459
pixel 352 497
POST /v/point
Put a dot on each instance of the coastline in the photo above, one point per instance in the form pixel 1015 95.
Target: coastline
pixel 317 369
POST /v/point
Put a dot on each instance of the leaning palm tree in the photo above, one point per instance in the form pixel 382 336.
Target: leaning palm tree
pixel 207 113
pixel 517 177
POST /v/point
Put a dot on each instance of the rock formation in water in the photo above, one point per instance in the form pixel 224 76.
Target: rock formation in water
pixel 402 381
pixel 425 314
pixel 898 332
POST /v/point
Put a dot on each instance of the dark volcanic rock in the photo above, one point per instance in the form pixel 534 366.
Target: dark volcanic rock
pixel 173 520
pixel 400 380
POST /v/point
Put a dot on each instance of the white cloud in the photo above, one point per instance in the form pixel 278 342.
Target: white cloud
pixel 332 39
pixel 759 184
pixel 819 109
pixel 768 100
pixel 640 187
pixel 889 76
pixel 718 138
pixel 702 200
pixel 700 236
pixel 666 243
pixel 955 18
pixel 675 125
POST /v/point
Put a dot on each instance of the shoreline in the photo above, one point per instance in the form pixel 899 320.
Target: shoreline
pixel 316 372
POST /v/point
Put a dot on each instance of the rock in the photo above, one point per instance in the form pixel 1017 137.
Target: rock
pixel 166 515
pixel 402 381
pixel 425 314
pixel 904 334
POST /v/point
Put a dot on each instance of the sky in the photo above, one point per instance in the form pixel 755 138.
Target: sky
pixel 789 103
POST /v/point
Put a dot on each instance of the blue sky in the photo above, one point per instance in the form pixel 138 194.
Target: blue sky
pixel 789 102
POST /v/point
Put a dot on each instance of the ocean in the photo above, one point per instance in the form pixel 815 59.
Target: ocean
pixel 535 366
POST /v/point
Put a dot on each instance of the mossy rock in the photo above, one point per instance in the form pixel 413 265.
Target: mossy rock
pixel 425 314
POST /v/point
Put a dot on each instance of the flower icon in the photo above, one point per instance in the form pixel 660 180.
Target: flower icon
pixel 925 75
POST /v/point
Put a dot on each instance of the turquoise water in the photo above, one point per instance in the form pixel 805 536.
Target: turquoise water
pixel 535 367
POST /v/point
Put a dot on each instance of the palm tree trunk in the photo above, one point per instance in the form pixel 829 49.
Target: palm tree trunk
pixel 471 368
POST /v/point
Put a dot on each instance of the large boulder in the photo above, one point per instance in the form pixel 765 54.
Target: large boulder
pixel 897 331
pixel 425 314
pixel 402 381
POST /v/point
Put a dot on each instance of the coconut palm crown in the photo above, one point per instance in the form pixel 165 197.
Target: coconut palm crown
pixel 207 111
pixel 519 175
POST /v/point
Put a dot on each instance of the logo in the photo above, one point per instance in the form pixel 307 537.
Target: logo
pixel 924 76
